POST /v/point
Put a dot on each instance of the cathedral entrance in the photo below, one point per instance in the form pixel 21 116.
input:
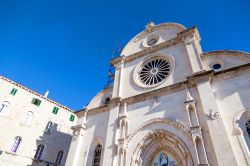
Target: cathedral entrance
pixel 164 158
pixel 161 148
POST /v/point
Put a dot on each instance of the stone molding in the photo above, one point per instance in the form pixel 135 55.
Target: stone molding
pixel 25 156
pixel 78 130
pixel 196 132
pixel 237 131
pixel 231 72
pixel 227 53
pixel 181 36
pixel 175 124
pixel 191 81
pixel 98 110
pixel 153 142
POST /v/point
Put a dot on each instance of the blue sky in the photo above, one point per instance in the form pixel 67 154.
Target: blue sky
pixel 65 46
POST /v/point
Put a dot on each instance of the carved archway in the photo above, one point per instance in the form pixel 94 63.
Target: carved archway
pixel 238 121
pixel 160 121
pixel 159 140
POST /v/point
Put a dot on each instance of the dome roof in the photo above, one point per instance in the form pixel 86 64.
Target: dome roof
pixel 224 59
pixel 101 98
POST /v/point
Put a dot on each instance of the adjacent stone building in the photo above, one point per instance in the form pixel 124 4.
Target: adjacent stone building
pixel 171 104
pixel 34 130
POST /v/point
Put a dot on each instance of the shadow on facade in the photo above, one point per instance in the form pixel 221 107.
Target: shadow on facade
pixel 53 141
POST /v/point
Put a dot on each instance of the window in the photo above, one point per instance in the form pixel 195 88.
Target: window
pixel 59 157
pixel 107 100
pixel 97 156
pixel 28 118
pixel 13 91
pixel 153 71
pixel 55 110
pixel 39 152
pixel 248 128
pixel 4 107
pixel 72 117
pixel 36 102
pixel 16 144
pixel 48 127
pixel 152 40
pixel 216 66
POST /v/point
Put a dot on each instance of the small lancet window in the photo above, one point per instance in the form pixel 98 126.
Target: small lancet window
pixel 16 144
pixel 28 118
pixel 4 107
pixel 97 156
pixel 248 128
pixel 39 152
pixel 59 157
pixel 48 128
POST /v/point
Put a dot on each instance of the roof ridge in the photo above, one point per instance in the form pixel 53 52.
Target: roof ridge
pixel 34 92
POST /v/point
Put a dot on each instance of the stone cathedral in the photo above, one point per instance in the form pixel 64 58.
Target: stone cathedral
pixel 171 104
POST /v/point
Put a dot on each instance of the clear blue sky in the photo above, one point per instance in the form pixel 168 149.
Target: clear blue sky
pixel 65 46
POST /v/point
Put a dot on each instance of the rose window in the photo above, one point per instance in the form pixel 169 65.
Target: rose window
pixel 154 71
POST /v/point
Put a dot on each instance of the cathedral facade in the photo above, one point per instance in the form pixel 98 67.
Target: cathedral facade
pixel 170 104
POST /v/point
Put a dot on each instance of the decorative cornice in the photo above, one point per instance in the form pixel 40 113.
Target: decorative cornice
pixel 78 127
pixel 231 72
pixel 181 36
pixel 225 52
pixel 98 110
pixel 191 81
pixel 35 93
pixel 78 130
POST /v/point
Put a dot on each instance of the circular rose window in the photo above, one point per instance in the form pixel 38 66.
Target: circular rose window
pixel 154 71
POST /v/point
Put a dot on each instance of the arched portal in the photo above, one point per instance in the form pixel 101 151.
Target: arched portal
pixel 161 148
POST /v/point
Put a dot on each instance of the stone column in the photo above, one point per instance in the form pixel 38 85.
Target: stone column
pixel 122 128
pixel 199 146
pixel 195 130
pixel 191 110
pixel 193 48
pixel 217 131
pixel 75 152
pixel 112 133
pixel 118 76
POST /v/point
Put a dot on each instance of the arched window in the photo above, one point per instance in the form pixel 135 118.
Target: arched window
pixel 97 156
pixel 39 152
pixel 248 128
pixel 28 118
pixel 4 107
pixel 48 128
pixel 16 144
pixel 59 157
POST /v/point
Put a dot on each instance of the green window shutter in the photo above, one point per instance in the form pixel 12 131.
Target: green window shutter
pixel 72 117
pixel 55 110
pixel 36 102
pixel 13 91
pixel 39 102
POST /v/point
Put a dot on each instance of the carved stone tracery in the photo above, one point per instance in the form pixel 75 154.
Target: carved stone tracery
pixel 176 124
pixel 157 141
